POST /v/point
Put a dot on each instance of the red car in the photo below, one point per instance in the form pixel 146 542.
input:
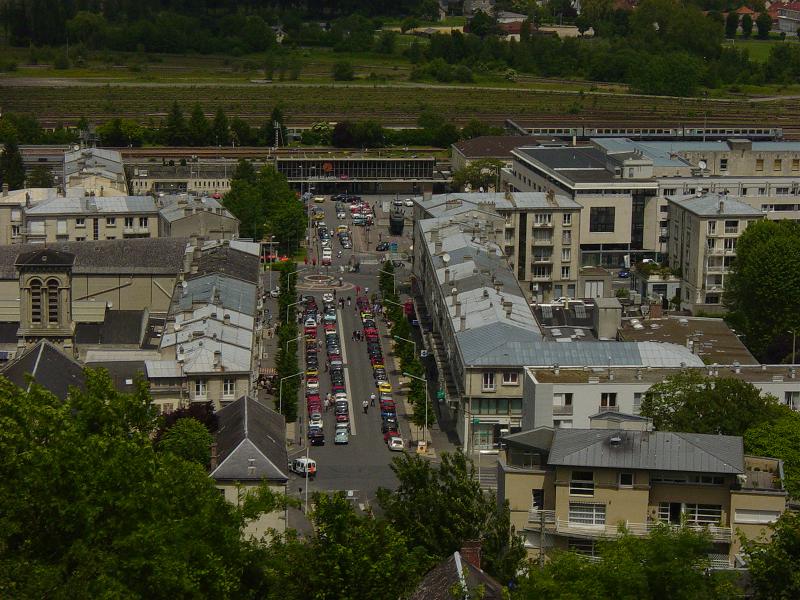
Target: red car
pixel 390 434
pixel 343 418
pixel 338 389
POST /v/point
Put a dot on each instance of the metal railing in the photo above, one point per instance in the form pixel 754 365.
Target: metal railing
pixel 562 410
pixel 564 526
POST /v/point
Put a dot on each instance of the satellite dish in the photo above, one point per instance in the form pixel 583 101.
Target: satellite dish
pixel 445 258
pixel 76 147
pixel 702 164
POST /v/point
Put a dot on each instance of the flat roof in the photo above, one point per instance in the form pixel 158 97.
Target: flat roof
pixel 715 205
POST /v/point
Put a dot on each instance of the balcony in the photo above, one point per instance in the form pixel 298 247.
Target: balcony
pixel 602 408
pixel 509 225
pixel 543 259
pixel 542 276
pixel 135 230
pixel 543 241
pixel 543 225
pixel 562 410
pixel 554 524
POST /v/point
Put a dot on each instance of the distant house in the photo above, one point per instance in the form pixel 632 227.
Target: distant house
pixel 46 365
pixel 787 17
pixel 250 449
pixel 459 576
pixel 496 147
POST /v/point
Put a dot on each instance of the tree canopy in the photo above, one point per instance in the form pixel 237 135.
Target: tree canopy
pixel 440 507
pixel 775 566
pixel 12 171
pixel 779 438
pixel 478 174
pixel 667 564
pixel 91 509
pixel 694 403
pixel 766 273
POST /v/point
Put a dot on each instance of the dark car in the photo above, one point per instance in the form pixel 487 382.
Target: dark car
pixel 316 437
pixel 624 273
pixel 382 247
pixel 341 409
pixel 388 424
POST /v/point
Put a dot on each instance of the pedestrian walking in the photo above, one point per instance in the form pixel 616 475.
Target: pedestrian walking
pixel 372 399
pixel 348 301
pixel 326 404
pixel 365 404
pixel 353 336
pixel 366 291
pixel 358 290
pixel 334 294
pixel 326 366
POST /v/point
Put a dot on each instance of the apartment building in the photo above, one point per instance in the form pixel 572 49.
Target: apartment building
pixel 203 216
pixel 484 332
pixel 97 171
pixel 570 488
pixel 539 235
pixel 623 186
pixel 572 397
pixel 13 205
pixel 488 147
pixel 77 219
pixel 703 230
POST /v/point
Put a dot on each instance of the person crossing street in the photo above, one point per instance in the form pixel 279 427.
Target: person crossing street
pixel 372 399
pixel 365 404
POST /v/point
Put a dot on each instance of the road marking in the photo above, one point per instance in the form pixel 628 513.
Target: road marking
pixel 349 398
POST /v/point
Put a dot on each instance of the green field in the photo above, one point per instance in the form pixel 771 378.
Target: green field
pixel 758 49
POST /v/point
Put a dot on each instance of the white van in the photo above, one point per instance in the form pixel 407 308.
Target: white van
pixel 303 465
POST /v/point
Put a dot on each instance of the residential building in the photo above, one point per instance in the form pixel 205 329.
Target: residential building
pixel 537 233
pixel 98 171
pixel 484 333
pixel 46 365
pixel 571 397
pixel 703 231
pixel 249 451
pixel 786 16
pixel 77 219
pixel 570 488
pixel 13 205
pixel 203 216
pixel 623 186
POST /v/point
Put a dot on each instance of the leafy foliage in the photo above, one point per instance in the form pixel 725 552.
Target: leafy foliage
pixel 12 171
pixel 347 557
pixel 478 174
pixel 666 564
pixel 90 509
pixel 775 566
pixel 190 440
pixel 766 273
pixel 693 403
pixel 440 507
pixel 39 177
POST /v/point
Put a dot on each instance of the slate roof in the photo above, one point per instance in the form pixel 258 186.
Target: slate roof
pixel 440 582
pixel 251 443
pixel 541 437
pixel 174 207
pixel 648 450
pixel 130 256
pixel 47 257
pixel 227 261
pixel 105 205
pixel 49 367
pixel 230 293
pixel 441 205
pixel 708 205
pixel 122 372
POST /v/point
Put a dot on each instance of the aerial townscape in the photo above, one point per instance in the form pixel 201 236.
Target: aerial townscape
pixel 414 300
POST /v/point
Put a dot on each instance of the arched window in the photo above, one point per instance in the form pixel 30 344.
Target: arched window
pixel 52 302
pixel 36 301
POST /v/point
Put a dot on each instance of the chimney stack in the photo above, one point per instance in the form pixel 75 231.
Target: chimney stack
pixel 463 323
pixel 437 247
pixel 217 357
pixel 458 308
pixel 447 275
pixel 508 306
pixel 471 552
pixel 214 460
pixel 5 189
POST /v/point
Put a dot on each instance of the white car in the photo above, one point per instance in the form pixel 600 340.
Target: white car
pixel 315 422
pixel 310 322
pixel 275 292
pixel 341 215
pixel 327 297
pixel 395 444
pixel 409 202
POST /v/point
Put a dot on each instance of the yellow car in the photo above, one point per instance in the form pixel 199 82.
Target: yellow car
pixel 319 199
pixel 312 372
pixel 319 216
pixel 384 387
pixel 377 366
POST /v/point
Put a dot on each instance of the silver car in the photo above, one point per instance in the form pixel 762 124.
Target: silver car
pixel 342 436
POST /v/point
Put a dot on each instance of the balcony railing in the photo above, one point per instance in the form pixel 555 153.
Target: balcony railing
pixel 562 410
pixel 602 408
pixel 543 224
pixel 557 525
pixel 543 241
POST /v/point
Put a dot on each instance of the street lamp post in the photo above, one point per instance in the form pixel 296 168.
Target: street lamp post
pixel 394 279
pixel 397 337
pixel 286 320
pixel 794 345
pixel 288 280
pixel 293 340
pixel 280 390
pixel 271 258
pixel 425 425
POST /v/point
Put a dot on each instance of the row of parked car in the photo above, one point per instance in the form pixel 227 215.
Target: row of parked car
pixel 389 425
pixel 312 319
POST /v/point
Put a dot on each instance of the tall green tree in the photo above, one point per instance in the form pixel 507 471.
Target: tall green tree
pixel 667 564
pixel 747 26
pixel 176 132
pixel 763 289
pixel 90 509
pixel 347 557
pixel 39 177
pixel 763 25
pixel 478 174
pixel 220 130
pixel 189 439
pixel 199 129
pixel 731 24
pixel 439 508
pixel 693 403
pixel 774 567
pixel 12 171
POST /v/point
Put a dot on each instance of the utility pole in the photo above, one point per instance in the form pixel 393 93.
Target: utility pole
pixel 541 537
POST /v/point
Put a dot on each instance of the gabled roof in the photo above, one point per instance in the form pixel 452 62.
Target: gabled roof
pixel 649 450
pixel 541 438
pixel 251 443
pixel 491 146
pixel 49 367
pixel 454 573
